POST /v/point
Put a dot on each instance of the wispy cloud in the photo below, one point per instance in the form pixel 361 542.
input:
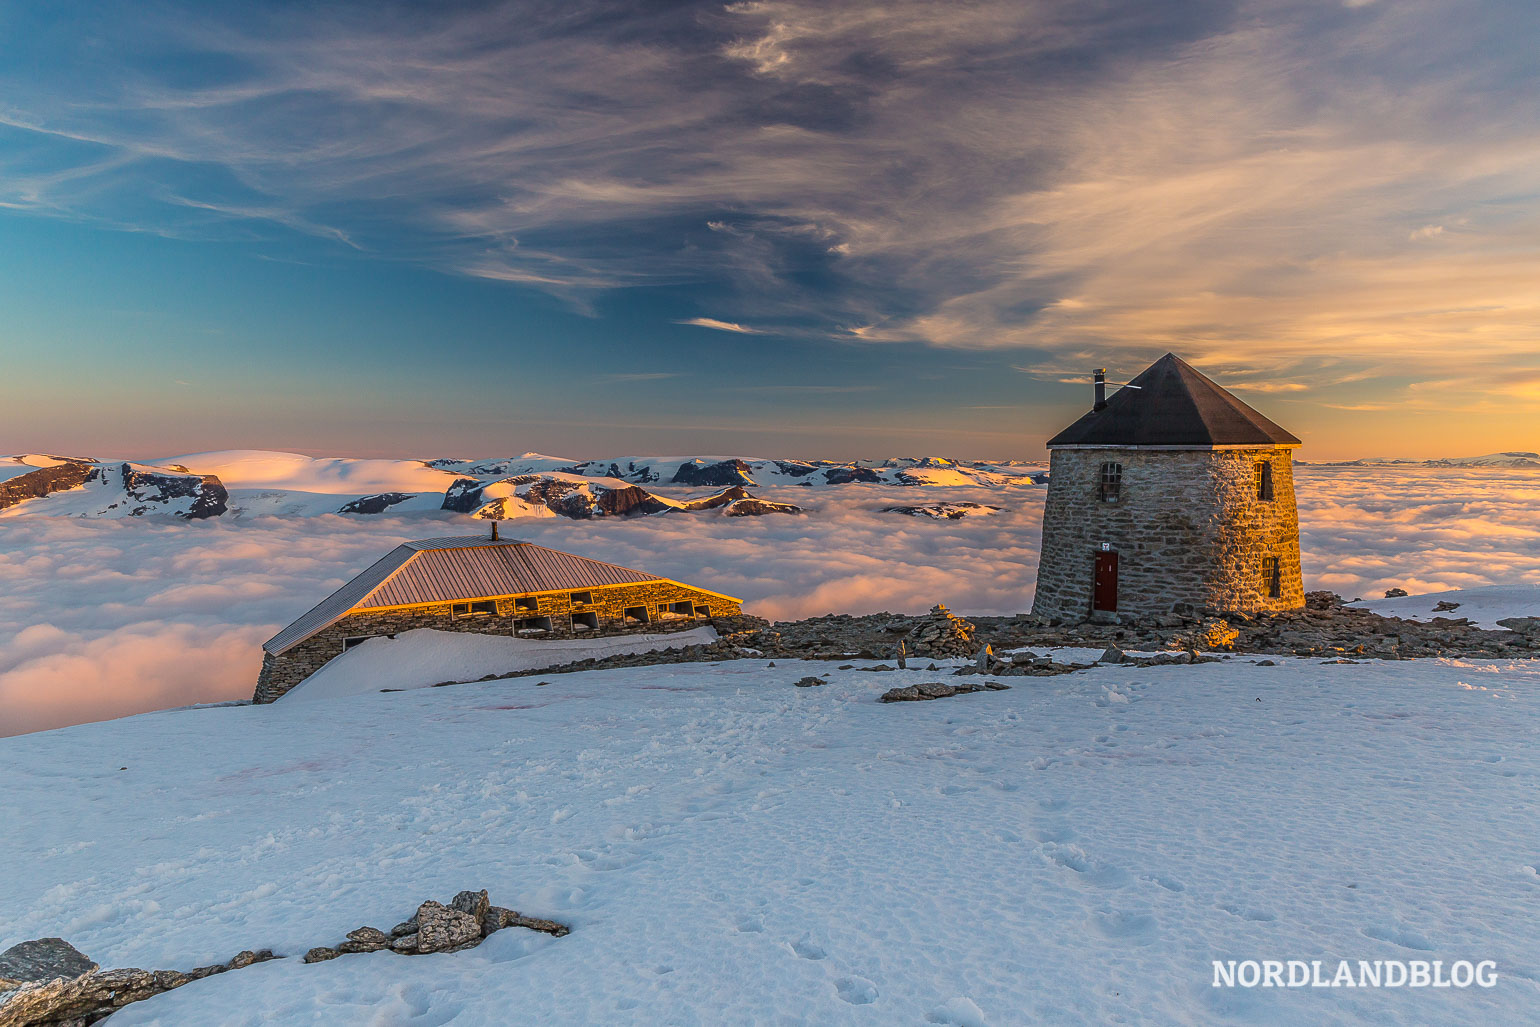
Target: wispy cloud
pixel 721 326
pixel 1258 184
pixel 638 376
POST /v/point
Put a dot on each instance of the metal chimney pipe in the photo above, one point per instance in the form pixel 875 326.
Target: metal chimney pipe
pixel 1100 376
pixel 494 531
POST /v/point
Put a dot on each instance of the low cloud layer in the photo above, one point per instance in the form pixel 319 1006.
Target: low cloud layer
pixel 107 618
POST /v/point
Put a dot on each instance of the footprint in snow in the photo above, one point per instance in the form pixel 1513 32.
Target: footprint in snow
pixel 1138 928
pixel 807 948
pixel 1168 883
pixel 1399 936
pixel 858 991
pixel 1259 916
pixel 750 925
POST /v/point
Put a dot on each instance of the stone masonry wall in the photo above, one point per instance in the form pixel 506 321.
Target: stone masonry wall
pixel 281 673
pixel 1187 527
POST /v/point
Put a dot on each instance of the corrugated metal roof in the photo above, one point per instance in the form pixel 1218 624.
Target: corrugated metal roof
pixel 481 572
pixel 340 601
pixel 442 570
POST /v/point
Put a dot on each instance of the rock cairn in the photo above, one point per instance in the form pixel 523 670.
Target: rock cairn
pixel 468 919
pixel 50 983
pixel 940 635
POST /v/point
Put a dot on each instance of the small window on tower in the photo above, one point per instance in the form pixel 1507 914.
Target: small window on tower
pixel 1111 482
pixel 1264 478
pixel 1272 577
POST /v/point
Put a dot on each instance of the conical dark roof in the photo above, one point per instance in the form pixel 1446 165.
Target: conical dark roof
pixel 1172 403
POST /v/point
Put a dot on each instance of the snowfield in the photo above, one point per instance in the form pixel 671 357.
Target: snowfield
pixel 730 849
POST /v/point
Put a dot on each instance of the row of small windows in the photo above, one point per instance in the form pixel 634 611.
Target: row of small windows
pixel 633 614
pixel 521 604
pixel 1109 483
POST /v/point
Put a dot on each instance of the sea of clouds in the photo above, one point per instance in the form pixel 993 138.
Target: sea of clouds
pixel 104 618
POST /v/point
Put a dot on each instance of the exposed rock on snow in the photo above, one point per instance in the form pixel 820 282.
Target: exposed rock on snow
pixel 42 960
pixel 84 998
pixel 751 506
pixel 78 489
pixel 161 490
pixel 580 498
pixel 937 690
pixel 809 682
pixel 60 474
pixel 724 472
pixel 464 923
pixel 376 504
pixel 944 511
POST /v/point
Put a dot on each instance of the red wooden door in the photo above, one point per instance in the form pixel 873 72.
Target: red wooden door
pixel 1104 595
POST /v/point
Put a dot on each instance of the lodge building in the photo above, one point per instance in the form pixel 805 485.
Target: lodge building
pixel 487 585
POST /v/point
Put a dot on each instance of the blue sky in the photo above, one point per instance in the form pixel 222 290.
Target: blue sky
pixel 772 227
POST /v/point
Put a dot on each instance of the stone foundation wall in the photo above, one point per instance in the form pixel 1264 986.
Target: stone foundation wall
pixel 1188 528
pixel 281 673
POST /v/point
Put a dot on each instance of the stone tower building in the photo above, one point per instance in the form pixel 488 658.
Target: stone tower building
pixel 1170 497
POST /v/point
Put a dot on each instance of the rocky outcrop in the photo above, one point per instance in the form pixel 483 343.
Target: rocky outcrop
pixel 68 999
pixel 71 473
pixel 937 690
pixel 725 472
pixel 157 490
pixel 847 475
pixel 750 506
pixel 462 924
pixel 42 960
pixel 581 499
pixel 376 504
pixel 944 511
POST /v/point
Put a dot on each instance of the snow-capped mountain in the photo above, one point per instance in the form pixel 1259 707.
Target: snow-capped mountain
pixel 1512 458
pixel 257 482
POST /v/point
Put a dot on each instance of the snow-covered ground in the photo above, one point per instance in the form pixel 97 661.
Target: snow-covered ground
pixel 730 849
pixel 424 657
pixel 1484 606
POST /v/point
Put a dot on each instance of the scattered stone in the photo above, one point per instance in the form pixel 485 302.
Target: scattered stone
pixel 365 939
pixel 1266 663
pixel 321 954
pixel 878 667
pixel 1112 654
pixel 440 928
pixel 42 960
pixel 1396 593
pixel 1445 606
pixel 77 1000
pixel 497 918
pixel 809 682
pixel 938 690
pixel 404 928
pixel 475 903
pixel 1522 625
